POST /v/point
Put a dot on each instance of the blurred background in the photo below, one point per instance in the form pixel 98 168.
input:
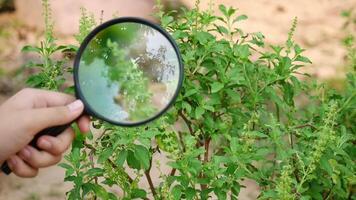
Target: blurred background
pixel 320 31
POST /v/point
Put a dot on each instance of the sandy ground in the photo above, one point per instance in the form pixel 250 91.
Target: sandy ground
pixel 319 31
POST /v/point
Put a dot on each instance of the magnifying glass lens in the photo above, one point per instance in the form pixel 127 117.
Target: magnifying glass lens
pixel 128 73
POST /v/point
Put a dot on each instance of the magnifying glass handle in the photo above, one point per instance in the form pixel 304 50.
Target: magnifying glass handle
pixel 52 131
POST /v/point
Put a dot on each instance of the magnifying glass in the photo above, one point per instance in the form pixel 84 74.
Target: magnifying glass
pixel 128 72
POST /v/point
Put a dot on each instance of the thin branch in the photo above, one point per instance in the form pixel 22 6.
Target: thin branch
pixel 150 183
pixel 206 159
pixel 187 122
pixel 180 138
pixel 149 179
pixel 173 171
pixel 206 146
pixel 305 125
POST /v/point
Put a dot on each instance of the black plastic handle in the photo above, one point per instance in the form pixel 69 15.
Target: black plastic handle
pixel 52 131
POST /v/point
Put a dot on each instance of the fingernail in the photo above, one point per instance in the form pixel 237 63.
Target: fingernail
pixel 26 152
pixel 45 144
pixel 75 105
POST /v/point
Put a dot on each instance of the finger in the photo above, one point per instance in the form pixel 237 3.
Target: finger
pixel 45 98
pixel 20 168
pixel 38 119
pixel 84 124
pixel 56 145
pixel 36 98
pixel 38 159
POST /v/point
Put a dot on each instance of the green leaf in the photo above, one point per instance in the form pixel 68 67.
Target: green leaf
pixel 222 30
pixel 231 11
pixel 36 80
pixel 199 112
pixel 190 193
pixel 303 59
pixel 103 156
pixel 166 20
pixel 297 49
pixel 190 92
pixel 216 86
pixel 326 165
pixel 98 190
pixel 65 166
pixel 240 18
pixel 34 65
pixel 138 193
pixel 187 107
pixel 235 96
pixel 242 51
pixel 222 8
pixel 177 192
pixel 121 158
pixel 132 161
pixel 29 48
pixel 69 169
pixel 142 155
pixel 95 172
pixel 210 108
pixel 67 48
pixel 203 37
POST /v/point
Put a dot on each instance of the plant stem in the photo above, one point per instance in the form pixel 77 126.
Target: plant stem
pixel 206 146
pixel 305 125
pixel 206 159
pixel 150 183
pixel 277 112
pixel 173 171
pixel 187 122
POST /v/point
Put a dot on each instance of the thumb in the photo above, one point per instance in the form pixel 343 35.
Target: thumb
pixel 53 116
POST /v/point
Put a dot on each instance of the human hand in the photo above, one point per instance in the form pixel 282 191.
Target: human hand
pixel 29 112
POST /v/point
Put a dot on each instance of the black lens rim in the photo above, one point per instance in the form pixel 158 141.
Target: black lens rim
pixel 87 108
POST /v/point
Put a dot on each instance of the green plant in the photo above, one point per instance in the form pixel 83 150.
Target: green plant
pixel 246 115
